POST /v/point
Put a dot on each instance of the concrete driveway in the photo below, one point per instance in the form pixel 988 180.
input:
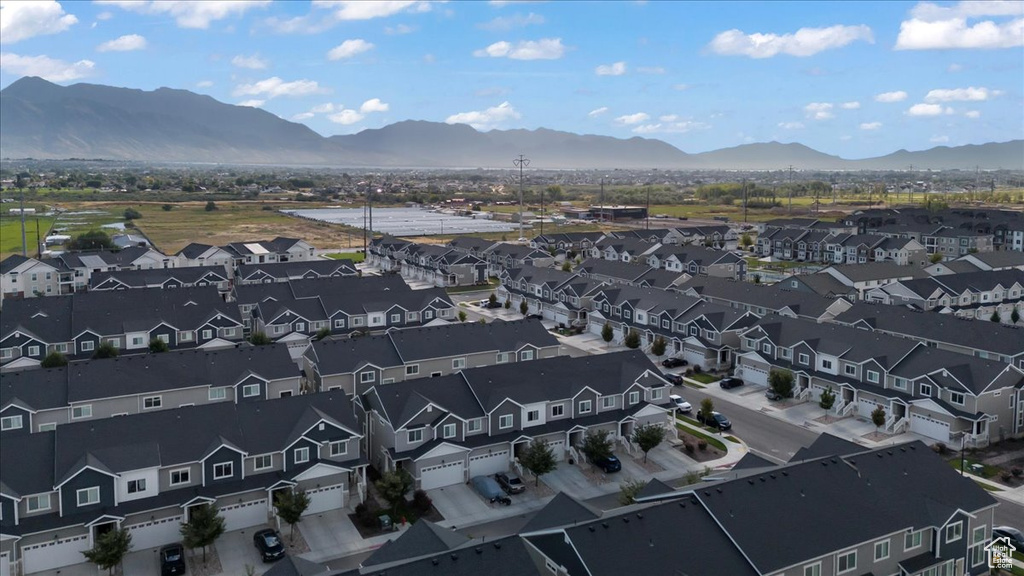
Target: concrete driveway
pixel 461 505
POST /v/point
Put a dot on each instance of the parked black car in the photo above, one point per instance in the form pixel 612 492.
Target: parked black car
pixel 717 420
pixel 675 379
pixel 510 483
pixel 673 362
pixel 609 464
pixel 1015 536
pixel 537 316
pixel 268 542
pixel 172 560
pixel 728 383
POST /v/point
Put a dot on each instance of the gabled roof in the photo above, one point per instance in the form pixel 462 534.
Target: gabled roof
pixel 751 461
pixel 424 537
pixel 826 445
pixel 563 510
pixel 296 566
pixel 297 269
pixel 960 372
pixel 876 271
pixel 847 343
pixel 156 277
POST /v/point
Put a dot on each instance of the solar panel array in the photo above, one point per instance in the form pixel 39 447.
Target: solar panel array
pixel 406 221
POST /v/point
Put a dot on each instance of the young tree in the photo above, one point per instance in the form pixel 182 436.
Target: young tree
pixel 462 315
pixel 131 214
pixel 659 346
pixel 935 258
pixel 995 317
pixel 597 444
pixel 323 333
pixel 707 406
pixel 632 339
pixel 157 345
pixel 259 339
pixel 757 278
pixel 508 303
pixel 746 241
pixel 607 333
pixel 492 300
pixel 167 207
pixel 878 416
pixel 629 489
pixel 393 486
pixel 92 240
pixel 210 206
pixel 291 505
pixel 524 307
pixel 647 437
pixel 567 266
pixel 105 350
pixel 827 400
pixel 538 458
pixel 110 549
pixel 1014 316
pixel 204 526
pixel 54 360
pixel 781 381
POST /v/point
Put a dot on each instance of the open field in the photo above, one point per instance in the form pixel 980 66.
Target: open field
pixel 10 232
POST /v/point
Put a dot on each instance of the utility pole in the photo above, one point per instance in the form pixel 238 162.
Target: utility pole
pixel 911 184
pixel 542 211
pixel 601 204
pixel 648 208
pixel 364 229
pixel 521 163
pixel 744 200
pixel 790 189
pixel 977 180
pixel 24 241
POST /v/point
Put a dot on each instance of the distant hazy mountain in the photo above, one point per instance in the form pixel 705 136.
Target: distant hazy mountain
pixel 39 119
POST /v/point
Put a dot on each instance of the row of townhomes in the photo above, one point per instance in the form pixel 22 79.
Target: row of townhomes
pixel 356 364
pixel 936 392
pixel 618 272
pixel 22 277
pixel 464 261
pixel 448 429
pixel 916 517
pixel 839 248
pixel 977 295
pixel 79 323
pixel 691 260
pixel 716 235
pixel 951 232
pixel 60 488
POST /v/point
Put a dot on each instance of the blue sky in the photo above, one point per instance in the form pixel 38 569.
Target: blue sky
pixel 848 78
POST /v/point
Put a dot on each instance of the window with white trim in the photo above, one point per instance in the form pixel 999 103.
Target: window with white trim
pixel 301 455
pixel 872 376
pixel 180 476
pixel 526 355
pixel 339 322
pixel 87 496
pixel 368 376
pixel 414 436
pixel 458 363
pixel 218 393
pixel 207 334
pixel 339 448
pixel 954 532
pixel 87 346
pixel 151 402
pixel 583 407
pixel 607 401
pixel 881 550
pixel 474 425
pixel 899 383
pixel 803 358
pixel 83 411
pixel 33 350
pixel 557 410
pixel 47 427
pixel 634 397
pixel 956 398
pixel 223 470
pixel 37 503
pixel 412 370
pixel 11 422
pixel 136 486
pixel 505 421
pixel 250 390
pixel 813 570
pixel 657 394
pixel 448 430
pixel 849 370
pixel 826 364
pixel 846 562
pixel 766 348
pixel 262 462
pixel 926 389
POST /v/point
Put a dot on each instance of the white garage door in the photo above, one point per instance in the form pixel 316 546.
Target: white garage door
pixel 156 533
pixel 55 554
pixel 694 357
pixel 487 464
pixel 329 498
pixel 866 406
pixel 557 449
pixel 244 515
pixel 562 318
pixel 594 326
pixel 929 427
pixel 443 475
pixel 754 375
pixel 5 564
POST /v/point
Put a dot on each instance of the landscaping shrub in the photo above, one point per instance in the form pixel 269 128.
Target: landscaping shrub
pixel 696 369
pixel 940 448
pixel 1016 471
pixel 421 502
pixel 690 447
pixel 702 444
pixel 1005 475
pixel 366 516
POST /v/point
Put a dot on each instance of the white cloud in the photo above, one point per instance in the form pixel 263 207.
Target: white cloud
pixel 651 70
pixel 931 12
pixel 973 114
pixel 616 69
pixel 204 83
pixel 928 110
pixel 630 119
pixel 399 30
pixel 898 96
pixel 598 111
pixel 934 27
pixel 791 125
pixel 104 16
pixel 322 108
pixel 349 48
pixel 850 105
pixel 668 118
pixel 939 139
pixel 485 119
pixel 373 105
pixel 681 87
pixel 45 67
pixel 303 116
pixel 328 13
pixel 506 23
pixel 23 20
pixel 253 62
pixel 954 67
pixel 127 43
pixel 252 103
pixel 429 59
pixel 345 117
pixel 870 125
pixel 804 42
pixel 274 87
pixel 670 127
pixel 543 49
pixel 971 94
pixel 188 13
pixel 819 110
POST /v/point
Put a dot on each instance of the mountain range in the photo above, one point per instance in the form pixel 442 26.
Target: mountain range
pixel 43 120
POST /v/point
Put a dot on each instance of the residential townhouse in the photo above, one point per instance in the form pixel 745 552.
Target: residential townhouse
pixel 920 518
pixel 299 270
pixel 443 266
pixel 77 324
pixel 60 489
pixel 984 229
pixel 714 236
pixel 579 242
pixel 979 338
pixel 821 284
pixel 935 393
pixel 196 254
pixel 357 364
pixel 165 278
pixel 471 245
pixel 387 253
pixel 864 277
pixel 838 247
pixel 295 311
pixel 561 297
pixel 70 272
pixel 1003 260
pixel 651 236
pixel 792 244
pixel 236 254
pixel 968 295
pixel 41 400
pixel 704 334
pixel 695 260
pixel 618 272
pixel 623 249
pixel 956 242
pixel 762 300
pixel 446 430
pixel 507 256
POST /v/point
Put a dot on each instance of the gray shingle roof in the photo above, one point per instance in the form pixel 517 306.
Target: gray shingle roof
pixel 158 276
pixel 422 538
pixel 969 373
pixel 878 271
pixel 284 270
pixel 847 343
pixel 562 510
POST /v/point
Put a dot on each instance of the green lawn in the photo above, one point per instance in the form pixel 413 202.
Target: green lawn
pixel 10 232
pixel 986 471
pixel 492 283
pixel 355 257
pixel 710 439
pixel 705 378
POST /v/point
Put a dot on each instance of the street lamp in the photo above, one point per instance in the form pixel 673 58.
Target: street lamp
pixel 521 163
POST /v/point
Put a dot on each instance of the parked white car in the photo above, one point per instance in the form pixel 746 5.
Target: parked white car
pixel 679 403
